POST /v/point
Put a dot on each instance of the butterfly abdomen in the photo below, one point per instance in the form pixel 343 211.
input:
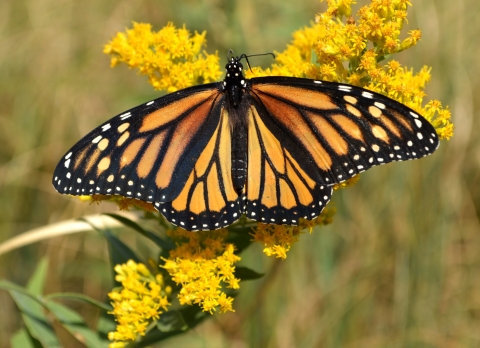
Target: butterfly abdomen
pixel 239 155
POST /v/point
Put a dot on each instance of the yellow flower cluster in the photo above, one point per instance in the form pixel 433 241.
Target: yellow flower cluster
pixel 203 264
pixel 278 239
pixel 340 48
pixel 139 301
pixel 171 58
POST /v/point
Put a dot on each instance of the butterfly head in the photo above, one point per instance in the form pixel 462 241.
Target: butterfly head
pixel 234 72
pixel 235 83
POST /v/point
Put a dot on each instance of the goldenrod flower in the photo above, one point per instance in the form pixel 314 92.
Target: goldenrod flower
pixel 171 58
pixel 141 299
pixel 349 49
pixel 203 264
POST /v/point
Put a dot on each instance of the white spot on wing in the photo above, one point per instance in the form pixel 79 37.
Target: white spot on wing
pixel 68 156
pixel 367 94
pixel 149 103
pixel 67 163
pixel 97 139
pixel 345 88
pixel 125 115
pixel 106 127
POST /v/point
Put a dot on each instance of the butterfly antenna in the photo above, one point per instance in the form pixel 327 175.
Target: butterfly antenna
pixel 254 55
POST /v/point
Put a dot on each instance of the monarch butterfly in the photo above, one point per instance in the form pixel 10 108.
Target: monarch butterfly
pixel 268 147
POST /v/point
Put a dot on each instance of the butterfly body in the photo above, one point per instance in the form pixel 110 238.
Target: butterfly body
pixel 269 147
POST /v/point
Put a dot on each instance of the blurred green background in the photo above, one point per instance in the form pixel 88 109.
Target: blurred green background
pixel 400 265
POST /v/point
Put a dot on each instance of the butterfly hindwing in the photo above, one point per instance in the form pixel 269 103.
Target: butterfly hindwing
pixel 343 130
pixel 208 199
pixel 278 189
pixel 145 153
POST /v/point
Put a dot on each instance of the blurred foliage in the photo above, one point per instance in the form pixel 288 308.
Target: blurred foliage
pixel 397 268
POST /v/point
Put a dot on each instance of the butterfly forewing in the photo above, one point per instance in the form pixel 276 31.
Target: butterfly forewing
pixel 145 153
pixel 343 130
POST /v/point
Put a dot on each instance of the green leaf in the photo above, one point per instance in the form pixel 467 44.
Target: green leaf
pixel 171 321
pixel 75 324
pixel 37 281
pixel 192 315
pixel 163 244
pixel 244 273
pixel 31 309
pixel 240 237
pixel 119 252
pixel 22 339
pixel 81 298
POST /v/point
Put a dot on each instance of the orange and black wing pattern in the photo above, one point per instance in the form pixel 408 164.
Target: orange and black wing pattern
pixel 336 131
pixel 208 199
pixel 147 152
pixel 279 190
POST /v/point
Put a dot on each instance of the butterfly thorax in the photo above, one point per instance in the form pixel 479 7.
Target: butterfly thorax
pixel 234 86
